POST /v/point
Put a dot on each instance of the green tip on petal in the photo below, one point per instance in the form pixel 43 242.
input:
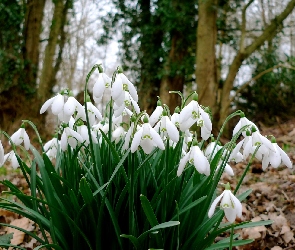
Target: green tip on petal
pixel 227 186
pixel 79 123
pixel 70 93
pixel 100 68
pixel 64 125
pixel 177 110
pixel 133 118
pixel 145 119
pixel 253 129
pixel 242 114
pixel 164 113
pixel 194 142
pixel 120 69
pixel 248 133
pixel 159 102
pixel 195 97
pixel 273 139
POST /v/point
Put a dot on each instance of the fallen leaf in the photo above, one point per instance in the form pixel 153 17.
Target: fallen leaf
pixel 288 236
pixel 18 236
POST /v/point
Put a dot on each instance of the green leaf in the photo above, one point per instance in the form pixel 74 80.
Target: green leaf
pixel 148 210
pixel 85 191
pixel 255 224
pixel 244 195
pixel 133 239
pixel 223 245
pixel 6 238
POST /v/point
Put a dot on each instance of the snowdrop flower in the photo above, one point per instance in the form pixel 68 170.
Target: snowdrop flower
pixel 93 113
pixel 276 157
pixel 56 103
pixel 229 203
pixel 209 150
pixel 104 126
pixel 147 138
pixel 83 131
pixel 101 86
pixel 71 137
pixel 120 85
pixel 244 122
pixel 175 119
pixel 51 148
pixel 11 157
pixel 21 136
pixel 128 101
pixel 118 134
pixel 193 113
pixel 1 154
pixel 167 128
pixel 195 157
pixel 155 116
pixel 70 107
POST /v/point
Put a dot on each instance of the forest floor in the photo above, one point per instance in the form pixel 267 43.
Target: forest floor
pixel 272 198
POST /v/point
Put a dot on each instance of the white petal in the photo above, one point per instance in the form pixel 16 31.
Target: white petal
pixel 275 158
pixel 207 120
pixel 237 127
pixel 117 88
pixel 228 169
pixel 182 164
pixel 155 116
pixel 238 206
pixel 17 137
pixel 14 161
pixel 58 104
pixel 72 142
pixel 26 141
pixel 64 141
pixel 172 130
pixel 1 154
pixel 185 113
pixel 46 105
pixel 214 204
pixel 156 138
pixel 205 133
pixel 70 106
pixel 285 158
pixel 265 161
pixel 74 134
pixel 99 87
pixel 136 140
pixel 230 214
pixel 147 145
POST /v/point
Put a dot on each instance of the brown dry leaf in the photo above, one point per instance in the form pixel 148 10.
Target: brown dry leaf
pixel 276 248
pixel 255 232
pixel 288 236
pixel 285 229
pixel 278 221
pixel 18 236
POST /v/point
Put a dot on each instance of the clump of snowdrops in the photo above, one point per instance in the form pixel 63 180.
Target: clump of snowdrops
pixel 127 180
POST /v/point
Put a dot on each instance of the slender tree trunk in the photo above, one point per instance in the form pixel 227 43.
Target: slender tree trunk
pixel 206 70
pixel 244 52
pixel 17 102
pixel 48 73
pixel 173 80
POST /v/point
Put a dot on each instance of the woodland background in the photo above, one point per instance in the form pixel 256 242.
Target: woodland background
pixel 236 54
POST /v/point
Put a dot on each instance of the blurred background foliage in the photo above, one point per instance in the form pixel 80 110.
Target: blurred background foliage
pixel 236 54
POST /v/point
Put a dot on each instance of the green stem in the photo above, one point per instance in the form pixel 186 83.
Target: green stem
pixel 231 238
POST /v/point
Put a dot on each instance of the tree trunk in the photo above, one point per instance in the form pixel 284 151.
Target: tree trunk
pixel 48 70
pixel 174 79
pixel 16 102
pixel 206 70
pixel 244 52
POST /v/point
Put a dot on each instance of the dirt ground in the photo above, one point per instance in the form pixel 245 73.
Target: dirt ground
pixel 273 198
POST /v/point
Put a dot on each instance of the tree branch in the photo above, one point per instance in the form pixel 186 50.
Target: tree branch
pixel 258 76
pixel 243 26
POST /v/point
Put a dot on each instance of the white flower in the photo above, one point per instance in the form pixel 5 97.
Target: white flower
pixel 230 204
pixel 120 85
pixel 51 148
pixel 244 122
pixel 21 136
pixel 167 129
pixel 147 138
pixel 276 157
pixel 209 150
pixel 71 137
pixel 195 157
pixel 155 116
pixel 11 157
pixel 93 113
pixel 56 103
pixel 83 131
pixel 128 101
pixel 102 84
pixel 1 154
pixel 118 134
pixel 70 107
